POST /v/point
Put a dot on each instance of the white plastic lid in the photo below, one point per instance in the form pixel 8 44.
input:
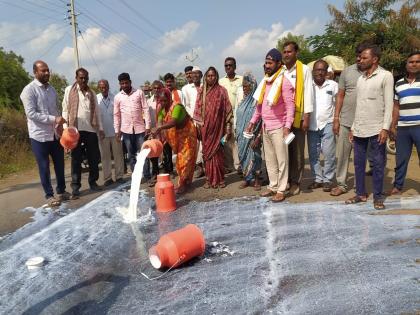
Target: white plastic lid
pixel 35 262
pixel 155 261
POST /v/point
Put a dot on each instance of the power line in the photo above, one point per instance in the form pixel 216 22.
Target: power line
pixel 143 17
pixel 38 5
pixel 32 11
pixel 91 55
pixel 53 45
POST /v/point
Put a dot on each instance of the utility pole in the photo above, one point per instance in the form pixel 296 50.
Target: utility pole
pixel 193 57
pixel 74 31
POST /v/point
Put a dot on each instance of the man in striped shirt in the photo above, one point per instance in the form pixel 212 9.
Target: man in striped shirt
pixel 406 114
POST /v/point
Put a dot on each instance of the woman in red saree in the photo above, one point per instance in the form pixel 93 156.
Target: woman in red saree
pixel 213 115
pixel 179 131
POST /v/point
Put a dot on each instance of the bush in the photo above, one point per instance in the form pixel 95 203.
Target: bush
pixel 15 149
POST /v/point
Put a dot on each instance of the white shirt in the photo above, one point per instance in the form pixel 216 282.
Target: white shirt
pixel 190 93
pixel 83 112
pixel 152 110
pixel 307 86
pixel 40 103
pixel 324 104
pixel 106 106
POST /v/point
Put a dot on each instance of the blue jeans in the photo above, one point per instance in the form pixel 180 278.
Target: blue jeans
pixel 378 161
pixel 406 138
pixel 42 152
pixel 322 141
pixel 133 143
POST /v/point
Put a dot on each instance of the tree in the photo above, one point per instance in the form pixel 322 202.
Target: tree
pixel 94 86
pixel 13 78
pixel 305 55
pixel 396 31
pixel 59 83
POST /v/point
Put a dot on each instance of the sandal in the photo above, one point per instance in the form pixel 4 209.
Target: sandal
pixel 180 189
pixel 207 185
pixel 278 197
pixel 378 205
pixel 53 202
pixel 267 193
pixel 337 191
pixel 356 199
pixel 244 184
pixel 222 185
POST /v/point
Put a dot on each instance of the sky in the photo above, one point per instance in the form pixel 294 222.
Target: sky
pixel 151 38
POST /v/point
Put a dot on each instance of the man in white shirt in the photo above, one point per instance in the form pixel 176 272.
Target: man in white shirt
pixel 301 78
pixel 320 135
pixel 80 109
pixel 109 146
pixel 232 82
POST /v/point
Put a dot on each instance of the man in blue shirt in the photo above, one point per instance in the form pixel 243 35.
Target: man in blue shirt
pixel 45 125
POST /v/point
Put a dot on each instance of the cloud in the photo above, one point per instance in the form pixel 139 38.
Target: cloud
pixel 94 42
pixel 47 36
pixel 179 37
pixel 250 47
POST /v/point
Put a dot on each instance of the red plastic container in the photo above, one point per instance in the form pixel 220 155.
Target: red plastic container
pixel 165 194
pixel 70 138
pixel 175 248
pixel 155 146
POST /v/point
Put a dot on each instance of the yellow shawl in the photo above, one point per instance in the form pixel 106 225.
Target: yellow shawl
pixel 299 99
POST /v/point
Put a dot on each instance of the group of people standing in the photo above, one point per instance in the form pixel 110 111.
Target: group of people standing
pixel 217 125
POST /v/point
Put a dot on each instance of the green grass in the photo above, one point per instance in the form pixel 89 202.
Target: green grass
pixel 15 149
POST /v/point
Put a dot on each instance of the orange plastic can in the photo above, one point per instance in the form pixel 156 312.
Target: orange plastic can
pixel 177 247
pixel 70 138
pixel 165 194
pixel 155 146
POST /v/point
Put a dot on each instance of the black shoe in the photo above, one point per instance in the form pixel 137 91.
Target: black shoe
pixel 75 194
pixel 109 182
pixel 95 187
pixel 327 187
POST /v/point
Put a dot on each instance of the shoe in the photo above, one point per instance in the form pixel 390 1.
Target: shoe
pixel 109 182
pixel 294 190
pixel 53 202
pixel 337 191
pixel 267 193
pixel 314 185
pixel 327 187
pixel 64 196
pixel 75 194
pixel 279 197
pixel 95 187
pixel 120 181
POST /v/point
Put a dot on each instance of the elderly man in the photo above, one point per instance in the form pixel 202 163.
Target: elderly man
pixel 276 108
pixel 44 126
pixel 232 83
pixel 81 110
pixel 301 78
pixel 406 114
pixel 131 117
pixel 320 135
pixel 371 123
pixel 109 146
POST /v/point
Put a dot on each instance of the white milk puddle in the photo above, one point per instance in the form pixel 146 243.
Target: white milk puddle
pixel 130 214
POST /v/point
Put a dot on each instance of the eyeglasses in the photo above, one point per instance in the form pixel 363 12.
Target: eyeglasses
pixel 229 65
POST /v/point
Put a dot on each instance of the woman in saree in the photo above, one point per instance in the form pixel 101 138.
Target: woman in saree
pixel 213 115
pixel 249 149
pixel 178 129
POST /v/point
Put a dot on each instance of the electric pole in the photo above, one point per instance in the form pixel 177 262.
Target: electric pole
pixel 74 31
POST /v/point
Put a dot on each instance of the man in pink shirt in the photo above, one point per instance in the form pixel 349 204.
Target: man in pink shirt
pixel 276 108
pixel 131 117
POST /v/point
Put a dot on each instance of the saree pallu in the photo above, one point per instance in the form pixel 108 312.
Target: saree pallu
pixel 250 159
pixel 215 114
pixel 183 141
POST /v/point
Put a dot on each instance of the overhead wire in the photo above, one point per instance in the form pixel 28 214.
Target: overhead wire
pixel 90 53
pixel 53 45
pixel 31 10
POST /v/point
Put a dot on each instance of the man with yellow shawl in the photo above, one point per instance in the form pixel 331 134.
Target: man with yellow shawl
pixel 300 77
pixel 276 108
